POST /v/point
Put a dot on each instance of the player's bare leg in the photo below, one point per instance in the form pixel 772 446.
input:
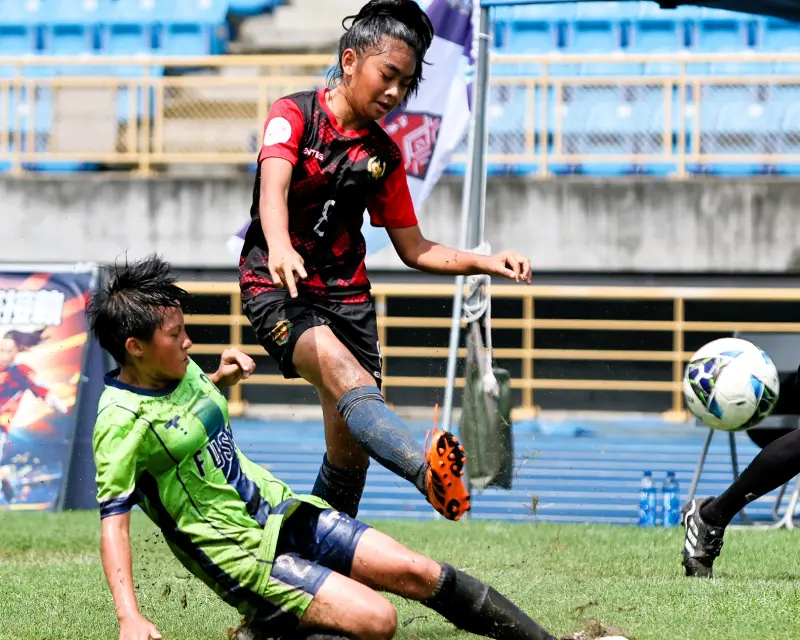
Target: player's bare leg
pixel 321 358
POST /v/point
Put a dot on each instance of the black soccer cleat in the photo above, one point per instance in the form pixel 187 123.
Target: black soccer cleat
pixel 702 542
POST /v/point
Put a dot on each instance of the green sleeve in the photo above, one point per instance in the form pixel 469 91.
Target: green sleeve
pixel 120 455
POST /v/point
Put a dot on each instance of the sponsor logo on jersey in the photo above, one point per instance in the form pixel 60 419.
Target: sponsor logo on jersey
pixel 313 152
pixel 376 168
pixel 279 130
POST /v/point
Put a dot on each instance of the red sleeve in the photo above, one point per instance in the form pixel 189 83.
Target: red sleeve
pixel 28 383
pixel 392 206
pixel 283 132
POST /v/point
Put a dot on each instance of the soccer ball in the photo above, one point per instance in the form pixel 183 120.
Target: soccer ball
pixel 731 384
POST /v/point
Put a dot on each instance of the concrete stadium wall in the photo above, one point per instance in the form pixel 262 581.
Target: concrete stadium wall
pixel 574 224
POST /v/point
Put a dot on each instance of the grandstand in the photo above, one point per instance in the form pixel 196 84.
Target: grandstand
pixel 601 88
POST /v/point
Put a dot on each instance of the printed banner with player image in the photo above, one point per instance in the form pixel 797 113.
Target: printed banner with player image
pixel 43 341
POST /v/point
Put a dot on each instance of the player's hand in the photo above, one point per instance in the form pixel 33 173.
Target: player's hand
pixel 137 627
pixel 286 268
pixel 233 367
pixel 510 264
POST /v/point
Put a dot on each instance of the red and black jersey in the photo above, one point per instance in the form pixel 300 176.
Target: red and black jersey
pixel 337 176
pixel 15 380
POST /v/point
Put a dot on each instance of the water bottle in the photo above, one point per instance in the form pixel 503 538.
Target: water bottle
pixel 671 501
pixel 648 501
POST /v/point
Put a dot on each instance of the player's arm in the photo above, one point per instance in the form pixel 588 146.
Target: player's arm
pixel 282 135
pixel 120 455
pixel 115 549
pixel 393 208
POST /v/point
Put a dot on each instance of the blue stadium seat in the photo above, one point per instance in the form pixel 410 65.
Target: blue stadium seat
pixel 73 11
pixel 68 39
pixel 17 39
pixel 779 36
pixel 553 12
pixel 142 12
pixel 20 12
pixel 126 39
pixel 185 39
pixel 250 7
pixel 188 27
pixel 719 32
pixel 193 11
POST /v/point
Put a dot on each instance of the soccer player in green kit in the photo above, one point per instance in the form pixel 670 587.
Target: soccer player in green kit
pixel 291 565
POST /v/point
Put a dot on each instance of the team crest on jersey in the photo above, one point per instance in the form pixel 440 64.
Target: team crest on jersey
pixel 280 332
pixel 376 168
pixel 416 135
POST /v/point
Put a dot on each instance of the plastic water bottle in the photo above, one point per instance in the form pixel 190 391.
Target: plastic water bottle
pixel 648 501
pixel 671 501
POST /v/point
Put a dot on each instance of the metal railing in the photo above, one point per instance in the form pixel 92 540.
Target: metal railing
pixel 676 114
pixel 674 327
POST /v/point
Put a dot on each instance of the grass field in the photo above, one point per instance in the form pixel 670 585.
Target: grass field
pixel 53 587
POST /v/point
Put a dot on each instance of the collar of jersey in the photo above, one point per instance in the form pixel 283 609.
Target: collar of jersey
pixel 112 381
pixel 323 103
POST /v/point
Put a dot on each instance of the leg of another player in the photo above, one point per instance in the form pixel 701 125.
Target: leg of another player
pixel 321 358
pixel 343 473
pixel 775 464
pixel 384 564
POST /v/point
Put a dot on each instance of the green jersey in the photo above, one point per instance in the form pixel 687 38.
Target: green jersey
pixel 172 452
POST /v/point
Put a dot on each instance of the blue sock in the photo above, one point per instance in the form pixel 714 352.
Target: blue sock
pixel 382 434
pixel 340 487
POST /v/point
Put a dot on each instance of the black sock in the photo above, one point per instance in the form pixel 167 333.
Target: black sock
pixel 776 464
pixel 475 607
pixel 383 435
pixel 340 487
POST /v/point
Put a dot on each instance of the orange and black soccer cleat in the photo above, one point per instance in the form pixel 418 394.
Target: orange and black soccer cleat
pixel 443 479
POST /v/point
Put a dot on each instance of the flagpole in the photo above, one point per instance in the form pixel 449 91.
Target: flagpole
pixel 473 200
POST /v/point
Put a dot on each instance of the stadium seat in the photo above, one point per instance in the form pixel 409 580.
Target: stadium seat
pixel 779 36
pixel 25 12
pixel 17 39
pixel 142 12
pixel 718 32
pixel 126 39
pixel 250 7
pixel 64 39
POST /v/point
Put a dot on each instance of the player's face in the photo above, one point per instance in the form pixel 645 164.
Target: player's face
pixel 8 351
pixel 166 356
pixel 381 82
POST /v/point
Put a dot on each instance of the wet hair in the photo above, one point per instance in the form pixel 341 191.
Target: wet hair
pixel 401 20
pixel 24 339
pixel 130 304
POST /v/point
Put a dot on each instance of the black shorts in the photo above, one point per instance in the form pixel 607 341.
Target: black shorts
pixel 279 322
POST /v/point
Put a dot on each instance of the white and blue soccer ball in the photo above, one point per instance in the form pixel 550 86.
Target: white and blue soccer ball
pixel 731 384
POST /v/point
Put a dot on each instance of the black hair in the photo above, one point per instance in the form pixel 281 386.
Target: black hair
pixel 129 304
pixel 24 339
pixel 402 20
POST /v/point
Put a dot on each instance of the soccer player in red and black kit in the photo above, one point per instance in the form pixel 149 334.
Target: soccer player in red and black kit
pixel 324 161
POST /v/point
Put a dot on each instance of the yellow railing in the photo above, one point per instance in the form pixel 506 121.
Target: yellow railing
pixel 139 114
pixel 674 327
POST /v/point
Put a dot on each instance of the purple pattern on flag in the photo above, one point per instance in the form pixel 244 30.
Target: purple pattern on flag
pixel 452 20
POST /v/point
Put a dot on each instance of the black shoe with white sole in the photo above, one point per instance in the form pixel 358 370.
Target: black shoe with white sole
pixel 702 541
